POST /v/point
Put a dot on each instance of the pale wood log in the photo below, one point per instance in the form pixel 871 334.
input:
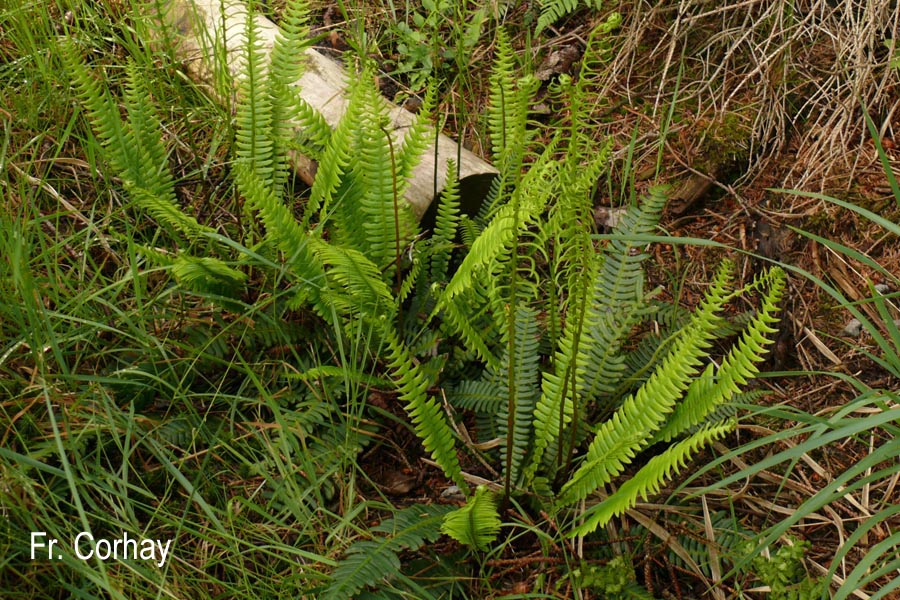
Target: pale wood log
pixel 194 28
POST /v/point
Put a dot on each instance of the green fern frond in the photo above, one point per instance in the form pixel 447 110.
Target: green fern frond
pixel 254 142
pixel 554 10
pixel 416 140
pixel 287 235
pixel 445 226
pixel 477 523
pixel 642 414
pixel 492 243
pixel 462 316
pixel 502 86
pixel 386 218
pixel 208 275
pixel 336 157
pixel 648 480
pixel 361 287
pixel 618 298
pixel 555 408
pixel 369 562
pixel 314 132
pixel 286 65
pixel 286 62
pixel 507 118
pixel 341 373
pixel 716 386
pixel 410 279
pixel 133 148
pixel 524 393
pixel 483 395
pixel 428 419
pixel 143 134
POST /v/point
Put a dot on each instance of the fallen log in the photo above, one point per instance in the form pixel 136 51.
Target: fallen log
pixel 197 30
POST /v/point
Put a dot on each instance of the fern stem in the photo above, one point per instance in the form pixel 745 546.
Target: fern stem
pixel 573 371
pixel 511 331
pixel 397 277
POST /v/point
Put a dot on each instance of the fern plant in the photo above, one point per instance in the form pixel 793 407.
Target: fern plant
pixel 570 406
pixel 376 561
pixel 533 298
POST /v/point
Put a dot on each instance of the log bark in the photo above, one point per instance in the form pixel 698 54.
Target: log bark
pixel 198 30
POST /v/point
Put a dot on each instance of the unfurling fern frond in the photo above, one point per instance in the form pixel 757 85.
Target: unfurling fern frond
pixel 648 480
pixel 370 562
pixel 477 523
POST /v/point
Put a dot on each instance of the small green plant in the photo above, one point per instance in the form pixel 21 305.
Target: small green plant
pixel 424 47
pixel 476 524
pixel 785 574
pixel 614 580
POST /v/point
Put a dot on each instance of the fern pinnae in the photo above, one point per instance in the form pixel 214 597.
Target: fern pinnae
pixel 254 141
pixel 103 113
pixel 643 413
pixel 336 157
pixel 287 235
pixel 426 414
pixel 648 480
pixel 408 283
pixel 496 239
pixel 445 226
pixel 286 65
pixel 133 148
pixel 477 523
pixel 483 395
pixel 313 131
pixel 554 10
pixel 457 314
pixel 368 562
pixel 502 89
pixel 376 170
pixel 617 302
pixel 416 139
pixel 514 420
pixel 715 387
pixel 360 280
